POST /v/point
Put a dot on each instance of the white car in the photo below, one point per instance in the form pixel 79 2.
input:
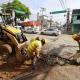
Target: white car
pixel 18 27
pixel 49 31
pixel 32 30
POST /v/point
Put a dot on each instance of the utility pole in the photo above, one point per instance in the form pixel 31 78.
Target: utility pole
pixel 68 21
pixel 37 16
pixel 42 17
pixel 51 20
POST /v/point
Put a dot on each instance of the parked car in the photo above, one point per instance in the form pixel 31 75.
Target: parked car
pixel 18 27
pixel 49 31
pixel 21 28
pixel 33 30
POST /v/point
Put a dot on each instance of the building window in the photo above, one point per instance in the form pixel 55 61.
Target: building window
pixel 78 17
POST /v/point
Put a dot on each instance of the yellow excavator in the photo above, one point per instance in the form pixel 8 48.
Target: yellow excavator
pixel 10 40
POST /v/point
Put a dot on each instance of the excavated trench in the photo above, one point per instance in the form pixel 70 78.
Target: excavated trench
pixel 13 68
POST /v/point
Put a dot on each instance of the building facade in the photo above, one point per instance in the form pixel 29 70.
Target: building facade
pixel 75 21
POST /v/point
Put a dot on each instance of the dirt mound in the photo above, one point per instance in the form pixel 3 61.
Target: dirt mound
pixel 60 73
pixel 64 73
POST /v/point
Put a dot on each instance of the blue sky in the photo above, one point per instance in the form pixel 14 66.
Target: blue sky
pixel 50 5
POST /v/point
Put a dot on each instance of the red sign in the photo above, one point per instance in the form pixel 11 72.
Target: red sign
pixel 31 23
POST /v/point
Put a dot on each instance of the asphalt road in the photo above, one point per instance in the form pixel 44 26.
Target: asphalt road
pixel 49 38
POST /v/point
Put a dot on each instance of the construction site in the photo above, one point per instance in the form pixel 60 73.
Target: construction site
pixel 29 56
pixel 62 66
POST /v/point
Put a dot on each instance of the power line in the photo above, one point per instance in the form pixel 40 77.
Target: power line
pixel 62 4
pixel 65 4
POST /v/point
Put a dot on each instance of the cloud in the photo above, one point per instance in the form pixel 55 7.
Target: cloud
pixel 73 4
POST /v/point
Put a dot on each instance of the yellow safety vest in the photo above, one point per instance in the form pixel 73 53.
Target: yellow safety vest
pixel 33 46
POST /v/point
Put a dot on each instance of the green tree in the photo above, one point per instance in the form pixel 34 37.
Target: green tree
pixel 17 6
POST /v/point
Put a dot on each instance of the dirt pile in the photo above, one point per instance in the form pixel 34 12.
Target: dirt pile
pixel 64 73
pixel 60 73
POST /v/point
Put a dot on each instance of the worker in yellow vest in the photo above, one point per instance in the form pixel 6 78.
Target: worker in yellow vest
pixel 34 48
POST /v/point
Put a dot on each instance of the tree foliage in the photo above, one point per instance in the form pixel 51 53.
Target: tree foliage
pixel 17 5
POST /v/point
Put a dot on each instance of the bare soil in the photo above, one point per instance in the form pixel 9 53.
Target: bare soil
pixel 65 45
